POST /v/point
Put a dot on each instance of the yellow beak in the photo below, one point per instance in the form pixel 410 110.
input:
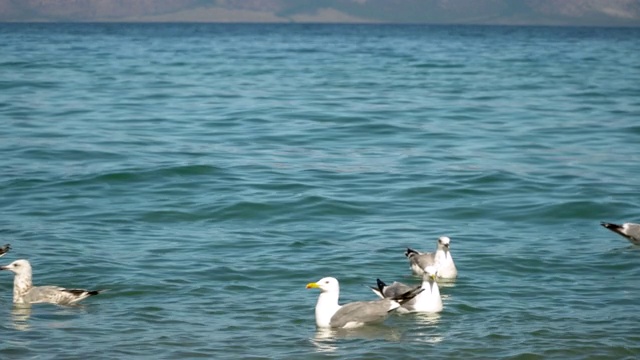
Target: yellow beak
pixel 312 286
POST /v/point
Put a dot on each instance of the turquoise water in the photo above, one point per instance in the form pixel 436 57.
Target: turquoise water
pixel 205 173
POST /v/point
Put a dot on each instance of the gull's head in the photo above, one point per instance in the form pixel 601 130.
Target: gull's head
pixel 430 272
pixel 327 284
pixel 18 267
pixel 443 242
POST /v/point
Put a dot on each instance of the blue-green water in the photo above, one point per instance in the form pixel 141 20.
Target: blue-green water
pixel 205 173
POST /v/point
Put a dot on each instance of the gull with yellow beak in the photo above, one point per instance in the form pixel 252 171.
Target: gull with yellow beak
pixel 329 314
pixel 429 300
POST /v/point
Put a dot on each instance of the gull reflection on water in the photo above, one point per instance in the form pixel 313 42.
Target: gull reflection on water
pixel 418 326
pixel 20 317
pixel 426 321
pixel 446 283
pixel 325 339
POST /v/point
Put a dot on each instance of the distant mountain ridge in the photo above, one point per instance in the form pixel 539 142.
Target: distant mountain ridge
pixel 517 12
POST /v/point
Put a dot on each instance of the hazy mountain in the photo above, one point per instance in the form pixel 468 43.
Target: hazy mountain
pixel 546 12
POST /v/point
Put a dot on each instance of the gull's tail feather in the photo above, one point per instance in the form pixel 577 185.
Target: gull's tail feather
pixel 629 231
pixel 410 252
pixel 611 226
pixel 81 294
pixel 379 290
pixel 403 298
pixel 5 249
pixel 614 227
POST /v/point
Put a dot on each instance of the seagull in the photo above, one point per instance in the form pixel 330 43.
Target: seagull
pixel 630 231
pixel 441 258
pixel 329 314
pixel 4 249
pixel 429 300
pixel 25 293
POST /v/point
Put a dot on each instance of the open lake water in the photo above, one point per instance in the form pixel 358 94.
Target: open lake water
pixel 204 174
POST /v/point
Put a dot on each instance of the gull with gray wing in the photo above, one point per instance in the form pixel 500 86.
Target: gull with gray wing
pixel 329 314
pixel 630 231
pixel 25 293
pixel 441 259
pixel 429 300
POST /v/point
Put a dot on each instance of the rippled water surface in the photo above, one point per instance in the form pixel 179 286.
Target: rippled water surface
pixel 205 173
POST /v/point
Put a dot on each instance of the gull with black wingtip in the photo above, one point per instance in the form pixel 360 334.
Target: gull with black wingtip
pixel 630 231
pixel 329 314
pixel 25 293
pixel 441 259
pixel 429 300
pixel 4 249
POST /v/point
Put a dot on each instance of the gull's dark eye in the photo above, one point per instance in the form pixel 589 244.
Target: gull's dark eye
pixel 326 282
